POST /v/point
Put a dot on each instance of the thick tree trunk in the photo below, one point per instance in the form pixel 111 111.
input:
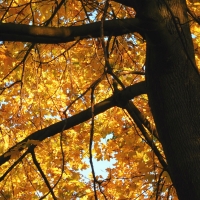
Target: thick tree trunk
pixel 173 84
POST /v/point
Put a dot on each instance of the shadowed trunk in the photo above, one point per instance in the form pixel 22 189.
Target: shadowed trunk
pixel 173 84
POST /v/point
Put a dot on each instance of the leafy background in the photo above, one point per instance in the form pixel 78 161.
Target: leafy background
pixel 41 84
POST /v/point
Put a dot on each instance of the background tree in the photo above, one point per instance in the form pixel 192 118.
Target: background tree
pixel 69 73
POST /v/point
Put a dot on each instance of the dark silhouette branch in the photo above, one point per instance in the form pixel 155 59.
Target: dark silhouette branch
pixel 129 93
pixel 53 35
pixel 14 165
pixel 130 107
pixel 37 164
pixel 145 122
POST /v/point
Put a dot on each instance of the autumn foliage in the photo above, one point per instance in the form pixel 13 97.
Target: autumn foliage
pixel 44 85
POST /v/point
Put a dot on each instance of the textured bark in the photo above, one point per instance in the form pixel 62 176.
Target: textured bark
pixel 173 85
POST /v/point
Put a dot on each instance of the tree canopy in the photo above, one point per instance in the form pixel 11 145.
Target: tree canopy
pixel 73 92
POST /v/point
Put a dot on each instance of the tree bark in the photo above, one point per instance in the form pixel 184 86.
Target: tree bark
pixel 173 85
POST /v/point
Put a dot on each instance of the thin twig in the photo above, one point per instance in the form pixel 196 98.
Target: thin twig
pixel 37 164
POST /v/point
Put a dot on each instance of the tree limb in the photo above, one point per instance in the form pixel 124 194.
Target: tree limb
pixel 130 107
pixel 128 93
pixel 53 35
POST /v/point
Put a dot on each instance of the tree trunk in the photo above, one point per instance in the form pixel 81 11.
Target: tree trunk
pixel 173 84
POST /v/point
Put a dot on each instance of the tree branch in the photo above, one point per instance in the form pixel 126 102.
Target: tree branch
pixel 128 93
pixel 37 164
pixel 130 107
pixel 53 35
